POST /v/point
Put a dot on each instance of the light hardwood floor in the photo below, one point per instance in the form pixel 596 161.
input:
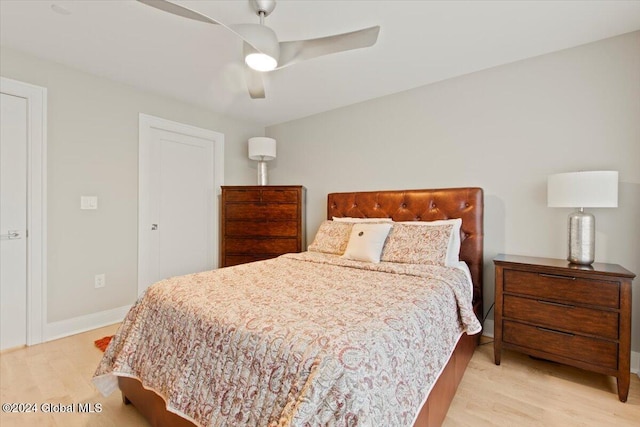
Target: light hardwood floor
pixel 527 392
pixel 520 392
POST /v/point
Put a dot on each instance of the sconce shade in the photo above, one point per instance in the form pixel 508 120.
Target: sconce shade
pixel 262 148
pixel 592 189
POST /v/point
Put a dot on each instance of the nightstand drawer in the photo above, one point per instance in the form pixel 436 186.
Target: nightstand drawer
pixel 565 317
pixel 588 350
pixel 565 288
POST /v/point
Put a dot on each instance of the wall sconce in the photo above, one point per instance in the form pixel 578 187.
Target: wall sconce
pixel 262 149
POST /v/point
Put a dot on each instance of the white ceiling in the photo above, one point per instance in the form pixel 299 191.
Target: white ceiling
pixel 420 42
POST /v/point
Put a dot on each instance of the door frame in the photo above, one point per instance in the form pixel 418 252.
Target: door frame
pixel 36 97
pixel 146 124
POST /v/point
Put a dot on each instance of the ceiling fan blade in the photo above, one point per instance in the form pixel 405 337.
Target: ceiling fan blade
pixel 167 6
pixel 262 38
pixel 292 52
pixel 255 84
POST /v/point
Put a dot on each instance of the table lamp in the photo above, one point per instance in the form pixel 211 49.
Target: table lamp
pixel 591 189
pixel 262 149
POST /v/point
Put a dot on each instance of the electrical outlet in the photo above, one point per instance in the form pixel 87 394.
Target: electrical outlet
pixel 100 280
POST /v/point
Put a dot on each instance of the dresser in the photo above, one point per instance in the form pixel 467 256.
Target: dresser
pixel 576 315
pixel 261 222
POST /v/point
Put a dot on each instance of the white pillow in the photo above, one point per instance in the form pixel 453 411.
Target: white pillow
pixel 355 220
pixel 366 241
pixel 426 245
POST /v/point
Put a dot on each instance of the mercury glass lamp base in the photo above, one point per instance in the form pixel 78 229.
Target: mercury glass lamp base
pixel 581 237
pixel 262 173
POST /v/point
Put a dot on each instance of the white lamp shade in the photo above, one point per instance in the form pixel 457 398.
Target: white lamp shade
pixel 593 189
pixel 262 148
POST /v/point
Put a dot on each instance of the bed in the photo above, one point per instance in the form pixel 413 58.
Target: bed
pixel 348 378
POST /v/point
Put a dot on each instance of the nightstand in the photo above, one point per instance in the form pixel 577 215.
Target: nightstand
pixel 571 314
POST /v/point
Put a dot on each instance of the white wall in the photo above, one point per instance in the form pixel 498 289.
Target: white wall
pixel 93 150
pixel 504 129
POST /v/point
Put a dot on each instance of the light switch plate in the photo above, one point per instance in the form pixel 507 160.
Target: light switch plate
pixel 88 202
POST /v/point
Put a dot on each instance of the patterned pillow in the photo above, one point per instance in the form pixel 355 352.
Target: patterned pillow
pixel 332 237
pixel 366 241
pixel 424 243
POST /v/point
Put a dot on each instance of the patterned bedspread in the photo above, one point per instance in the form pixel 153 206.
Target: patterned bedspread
pixel 305 339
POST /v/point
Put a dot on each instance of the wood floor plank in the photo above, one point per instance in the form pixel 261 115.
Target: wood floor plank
pixel 520 392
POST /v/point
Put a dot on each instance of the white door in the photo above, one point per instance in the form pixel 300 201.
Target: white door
pixel 13 221
pixel 178 204
pixel 23 216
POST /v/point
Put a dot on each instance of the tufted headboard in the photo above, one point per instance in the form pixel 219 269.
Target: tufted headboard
pixel 425 205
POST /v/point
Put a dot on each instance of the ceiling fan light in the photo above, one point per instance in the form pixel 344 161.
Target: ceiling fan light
pixel 261 62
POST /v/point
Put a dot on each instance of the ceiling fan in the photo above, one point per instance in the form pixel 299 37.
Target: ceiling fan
pixel 262 50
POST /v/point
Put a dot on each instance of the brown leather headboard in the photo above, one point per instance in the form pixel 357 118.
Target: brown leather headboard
pixel 425 205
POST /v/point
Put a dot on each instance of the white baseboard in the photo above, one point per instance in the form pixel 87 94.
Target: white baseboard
pixel 635 363
pixel 76 325
pixel 635 356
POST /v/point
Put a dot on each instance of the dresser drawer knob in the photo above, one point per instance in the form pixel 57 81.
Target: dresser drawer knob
pixel 566 334
pixel 556 304
pixel 557 276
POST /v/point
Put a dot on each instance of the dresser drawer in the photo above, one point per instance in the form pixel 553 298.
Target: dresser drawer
pixel 567 288
pixel 237 246
pixel 266 195
pixel 261 228
pixel 561 316
pixel 261 211
pixel 243 259
pixel 588 350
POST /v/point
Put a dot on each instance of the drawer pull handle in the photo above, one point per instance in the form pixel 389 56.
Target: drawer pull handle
pixel 567 334
pixel 557 276
pixel 556 304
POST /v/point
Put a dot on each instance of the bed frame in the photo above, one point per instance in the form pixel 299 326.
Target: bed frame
pixel 409 205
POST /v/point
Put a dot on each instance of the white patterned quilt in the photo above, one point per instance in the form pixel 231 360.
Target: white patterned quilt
pixel 305 339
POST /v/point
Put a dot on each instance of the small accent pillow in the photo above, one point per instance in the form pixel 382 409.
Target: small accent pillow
pixel 356 220
pixel 366 241
pixel 332 237
pixel 418 242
